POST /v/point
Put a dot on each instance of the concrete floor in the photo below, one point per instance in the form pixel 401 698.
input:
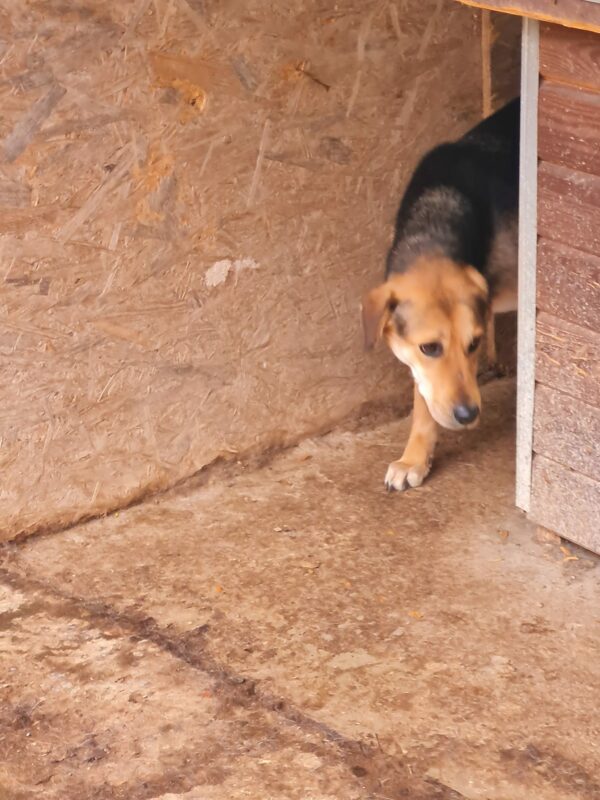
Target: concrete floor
pixel 294 632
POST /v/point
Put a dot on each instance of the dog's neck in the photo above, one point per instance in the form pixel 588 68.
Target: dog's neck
pixel 441 223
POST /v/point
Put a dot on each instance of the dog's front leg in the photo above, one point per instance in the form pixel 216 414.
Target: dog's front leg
pixel 490 342
pixel 412 469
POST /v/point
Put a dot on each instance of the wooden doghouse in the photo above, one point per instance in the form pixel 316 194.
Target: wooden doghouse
pixel 558 393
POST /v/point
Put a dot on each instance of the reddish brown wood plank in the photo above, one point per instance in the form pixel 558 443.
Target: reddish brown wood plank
pixel 566 502
pixel 568 284
pixel 568 358
pixel 574 13
pixel 569 127
pixel 570 56
pixel 569 207
pixel 567 431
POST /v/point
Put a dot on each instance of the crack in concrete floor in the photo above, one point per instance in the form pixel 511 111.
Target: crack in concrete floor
pixel 360 758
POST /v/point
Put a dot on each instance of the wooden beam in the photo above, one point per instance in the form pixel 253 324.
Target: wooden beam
pixel 571 13
pixel 569 207
pixel 527 260
pixel 567 431
pixel 568 358
pixel 570 56
pixel 566 502
pixel 568 286
pixel 486 62
pixel 569 122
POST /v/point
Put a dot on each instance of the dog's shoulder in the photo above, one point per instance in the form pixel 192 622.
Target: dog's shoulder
pixel 460 194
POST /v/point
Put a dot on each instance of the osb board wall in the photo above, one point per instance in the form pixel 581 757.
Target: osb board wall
pixel 194 197
pixel 566 466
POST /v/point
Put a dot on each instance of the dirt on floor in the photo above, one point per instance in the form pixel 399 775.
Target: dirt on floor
pixel 294 632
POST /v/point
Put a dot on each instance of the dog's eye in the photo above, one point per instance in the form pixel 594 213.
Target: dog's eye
pixel 432 349
pixel 474 344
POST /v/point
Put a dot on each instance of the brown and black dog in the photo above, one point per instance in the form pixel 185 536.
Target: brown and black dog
pixel 452 265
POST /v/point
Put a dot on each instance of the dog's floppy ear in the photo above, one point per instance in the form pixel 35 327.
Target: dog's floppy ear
pixel 479 281
pixel 482 297
pixel 376 306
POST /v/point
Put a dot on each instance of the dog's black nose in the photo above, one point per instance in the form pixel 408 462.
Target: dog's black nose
pixel 466 413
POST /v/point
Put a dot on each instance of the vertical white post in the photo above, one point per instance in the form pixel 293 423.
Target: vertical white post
pixel 527 259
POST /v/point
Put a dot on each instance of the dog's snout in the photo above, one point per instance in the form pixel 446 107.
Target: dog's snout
pixel 465 413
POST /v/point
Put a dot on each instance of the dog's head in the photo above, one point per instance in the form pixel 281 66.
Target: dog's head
pixel 433 319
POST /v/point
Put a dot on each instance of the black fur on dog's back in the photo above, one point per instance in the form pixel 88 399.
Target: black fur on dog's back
pixel 461 196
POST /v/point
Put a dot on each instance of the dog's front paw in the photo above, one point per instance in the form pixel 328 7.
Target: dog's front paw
pixel 403 475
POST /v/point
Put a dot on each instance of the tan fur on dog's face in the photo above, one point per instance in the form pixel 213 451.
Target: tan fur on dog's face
pixel 438 307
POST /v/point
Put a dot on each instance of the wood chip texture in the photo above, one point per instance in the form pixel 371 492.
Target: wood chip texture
pixel 194 197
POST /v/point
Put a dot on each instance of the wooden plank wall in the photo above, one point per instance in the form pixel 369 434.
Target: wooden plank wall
pixel 566 465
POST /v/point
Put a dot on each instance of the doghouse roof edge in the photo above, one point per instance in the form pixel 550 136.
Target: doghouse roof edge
pixel 582 14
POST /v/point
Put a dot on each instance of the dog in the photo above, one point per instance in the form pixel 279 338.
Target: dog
pixel 451 267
